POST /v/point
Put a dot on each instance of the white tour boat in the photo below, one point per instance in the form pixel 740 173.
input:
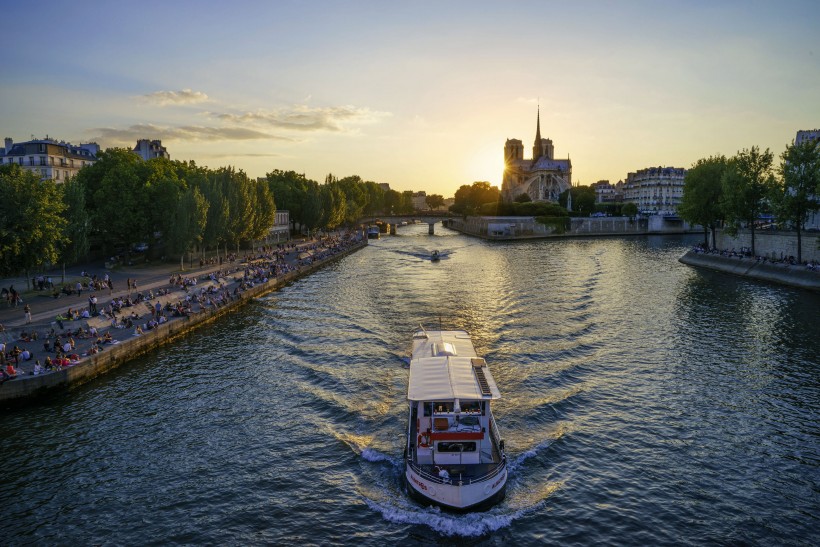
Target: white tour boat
pixel 454 454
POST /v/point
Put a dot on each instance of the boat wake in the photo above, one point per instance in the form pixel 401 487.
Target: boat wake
pixel 447 524
pixel 374 456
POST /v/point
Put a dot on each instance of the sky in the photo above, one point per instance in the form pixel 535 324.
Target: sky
pixel 420 95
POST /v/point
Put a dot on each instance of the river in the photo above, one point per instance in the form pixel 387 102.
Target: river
pixel 644 403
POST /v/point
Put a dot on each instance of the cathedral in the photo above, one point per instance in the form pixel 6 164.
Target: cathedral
pixel 543 177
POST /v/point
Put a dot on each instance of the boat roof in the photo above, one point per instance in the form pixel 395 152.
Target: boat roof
pixel 444 366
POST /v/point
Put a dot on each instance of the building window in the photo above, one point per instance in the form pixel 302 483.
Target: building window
pixel 56 174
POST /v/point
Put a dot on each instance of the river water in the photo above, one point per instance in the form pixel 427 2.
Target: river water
pixel 644 403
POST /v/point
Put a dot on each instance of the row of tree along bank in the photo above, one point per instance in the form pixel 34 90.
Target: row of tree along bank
pixel 122 204
pixel 746 190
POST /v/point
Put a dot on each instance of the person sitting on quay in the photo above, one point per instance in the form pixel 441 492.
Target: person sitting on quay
pixel 38 369
pixel 107 339
pixel 26 355
pixel 10 371
pixel 138 331
pixel 48 364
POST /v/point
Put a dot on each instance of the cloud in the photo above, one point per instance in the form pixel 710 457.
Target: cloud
pixel 304 117
pixel 130 135
pixel 164 98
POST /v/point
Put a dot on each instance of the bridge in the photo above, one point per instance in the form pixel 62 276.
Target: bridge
pixel 394 220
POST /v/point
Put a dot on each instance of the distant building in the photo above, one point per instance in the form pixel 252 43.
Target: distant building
pixel 280 231
pixel 48 158
pixel 151 149
pixel 655 190
pixel 813 135
pixel 542 178
pixel 420 201
pixel 384 186
pixel 807 135
pixel 608 193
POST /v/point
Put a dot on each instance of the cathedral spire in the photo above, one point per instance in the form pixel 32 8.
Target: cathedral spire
pixel 537 149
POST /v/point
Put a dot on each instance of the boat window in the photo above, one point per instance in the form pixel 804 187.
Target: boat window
pixel 456 447
pixel 428 409
pixel 471 407
pixel 443 407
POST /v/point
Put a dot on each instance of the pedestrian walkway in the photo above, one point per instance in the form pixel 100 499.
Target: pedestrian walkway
pixel 163 294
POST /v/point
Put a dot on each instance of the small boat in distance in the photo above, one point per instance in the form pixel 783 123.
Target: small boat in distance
pixel 454 456
pixel 373 232
pixel 434 256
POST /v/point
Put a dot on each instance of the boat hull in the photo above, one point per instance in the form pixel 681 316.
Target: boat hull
pixel 452 497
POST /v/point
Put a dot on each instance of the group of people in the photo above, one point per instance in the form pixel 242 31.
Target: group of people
pixel 222 287
pixel 746 252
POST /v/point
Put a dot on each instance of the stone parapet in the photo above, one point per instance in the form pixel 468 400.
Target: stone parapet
pixel 784 274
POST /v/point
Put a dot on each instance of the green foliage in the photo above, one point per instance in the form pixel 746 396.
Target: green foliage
pixel 522 198
pixel 434 201
pixel 469 199
pixel 190 218
pixel 702 201
pixel 795 196
pixel 629 210
pixel 583 200
pixel 747 181
pixel 78 222
pixel 31 221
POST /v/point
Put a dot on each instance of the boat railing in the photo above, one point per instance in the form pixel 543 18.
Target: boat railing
pixel 456 480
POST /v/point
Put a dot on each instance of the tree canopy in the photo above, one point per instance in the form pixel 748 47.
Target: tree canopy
pixel 702 201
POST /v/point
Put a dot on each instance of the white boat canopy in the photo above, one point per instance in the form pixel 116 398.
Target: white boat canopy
pixel 444 366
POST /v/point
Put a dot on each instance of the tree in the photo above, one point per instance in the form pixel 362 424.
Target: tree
pixel 189 220
pixel 468 199
pixel 746 182
pixel 434 201
pixel 702 198
pixel 117 198
pixel 264 212
pixel 522 198
pixel 31 221
pixel 629 210
pixel 78 223
pixel 392 201
pixel 583 199
pixel 375 198
pixel 290 192
pixel 333 206
pixel 218 213
pixel 355 193
pixel 795 196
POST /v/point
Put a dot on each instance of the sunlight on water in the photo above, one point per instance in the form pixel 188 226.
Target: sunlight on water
pixel 636 394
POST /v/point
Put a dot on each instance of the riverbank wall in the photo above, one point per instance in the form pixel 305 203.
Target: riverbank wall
pixel 29 389
pixel 784 274
pixel 773 244
pixel 516 228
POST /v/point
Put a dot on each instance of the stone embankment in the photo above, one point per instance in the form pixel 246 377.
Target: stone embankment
pixel 782 273
pixel 31 388
pixel 514 228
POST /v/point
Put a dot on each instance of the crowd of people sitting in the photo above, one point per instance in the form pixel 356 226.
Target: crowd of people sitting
pixel 73 337
pixel 746 252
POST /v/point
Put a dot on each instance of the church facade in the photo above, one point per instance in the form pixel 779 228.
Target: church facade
pixel 543 178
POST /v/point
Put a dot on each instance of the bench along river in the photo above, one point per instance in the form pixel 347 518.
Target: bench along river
pixel 643 402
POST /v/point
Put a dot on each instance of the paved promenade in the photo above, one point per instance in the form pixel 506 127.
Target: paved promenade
pixel 163 293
